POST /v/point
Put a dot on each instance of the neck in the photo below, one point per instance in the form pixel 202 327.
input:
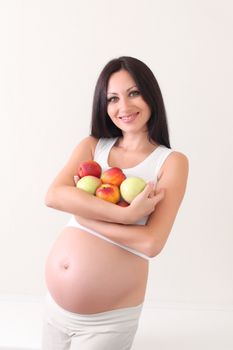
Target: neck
pixel 134 142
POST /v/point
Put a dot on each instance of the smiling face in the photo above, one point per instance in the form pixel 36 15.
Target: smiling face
pixel 125 105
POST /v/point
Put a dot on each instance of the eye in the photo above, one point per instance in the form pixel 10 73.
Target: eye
pixel 134 93
pixel 112 99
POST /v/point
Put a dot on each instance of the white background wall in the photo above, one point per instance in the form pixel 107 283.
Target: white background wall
pixel 52 52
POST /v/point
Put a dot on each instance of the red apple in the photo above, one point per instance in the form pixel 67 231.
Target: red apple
pixel 113 176
pixel 89 167
pixel 108 192
pixel 122 203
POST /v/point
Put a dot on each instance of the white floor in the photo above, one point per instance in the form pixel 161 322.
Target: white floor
pixel 162 327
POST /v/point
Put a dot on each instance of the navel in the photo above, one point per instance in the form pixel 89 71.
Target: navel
pixel 64 264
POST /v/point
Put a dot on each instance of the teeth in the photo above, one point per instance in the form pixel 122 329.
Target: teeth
pixel 129 117
pixel 126 118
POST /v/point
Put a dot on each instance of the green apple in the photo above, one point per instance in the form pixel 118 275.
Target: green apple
pixel 89 183
pixel 131 187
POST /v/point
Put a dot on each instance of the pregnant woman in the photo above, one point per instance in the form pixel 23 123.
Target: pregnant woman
pixel 96 272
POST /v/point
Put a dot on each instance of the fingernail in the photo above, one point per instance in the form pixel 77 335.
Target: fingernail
pixel 76 178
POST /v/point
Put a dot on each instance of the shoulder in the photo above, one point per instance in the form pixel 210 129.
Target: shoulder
pixel 88 143
pixel 177 158
pixel 176 163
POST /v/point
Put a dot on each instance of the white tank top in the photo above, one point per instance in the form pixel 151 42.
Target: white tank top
pixel 148 169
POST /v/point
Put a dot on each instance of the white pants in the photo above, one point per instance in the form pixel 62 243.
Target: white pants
pixel 114 329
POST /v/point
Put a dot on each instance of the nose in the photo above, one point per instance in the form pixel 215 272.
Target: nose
pixel 124 104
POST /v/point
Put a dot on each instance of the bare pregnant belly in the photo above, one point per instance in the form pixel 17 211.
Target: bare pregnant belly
pixel 85 274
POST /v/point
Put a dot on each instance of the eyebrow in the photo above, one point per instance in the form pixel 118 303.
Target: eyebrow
pixel 114 93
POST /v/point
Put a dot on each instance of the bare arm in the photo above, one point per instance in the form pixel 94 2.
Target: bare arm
pixel 65 196
pixel 151 238
pixel 133 236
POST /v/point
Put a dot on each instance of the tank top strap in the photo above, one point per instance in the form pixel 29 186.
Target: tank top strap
pixel 102 149
pixel 160 157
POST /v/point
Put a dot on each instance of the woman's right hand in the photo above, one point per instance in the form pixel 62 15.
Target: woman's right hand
pixel 144 203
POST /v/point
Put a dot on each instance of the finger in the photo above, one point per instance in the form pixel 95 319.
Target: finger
pixel 155 184
pixel 76 178
pixel 148 190
pixel 154 187
pixel 159 196
pixel 151 195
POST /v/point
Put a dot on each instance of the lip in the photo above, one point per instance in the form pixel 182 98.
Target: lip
pixel 129 118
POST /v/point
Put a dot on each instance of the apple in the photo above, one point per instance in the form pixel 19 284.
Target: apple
pixel 108 192
pixel 122 203
pixel 89 167
pixel 89 183
pixel 131 187
pixel 113 176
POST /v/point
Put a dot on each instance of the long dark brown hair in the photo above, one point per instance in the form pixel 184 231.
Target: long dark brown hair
pixel 102 125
